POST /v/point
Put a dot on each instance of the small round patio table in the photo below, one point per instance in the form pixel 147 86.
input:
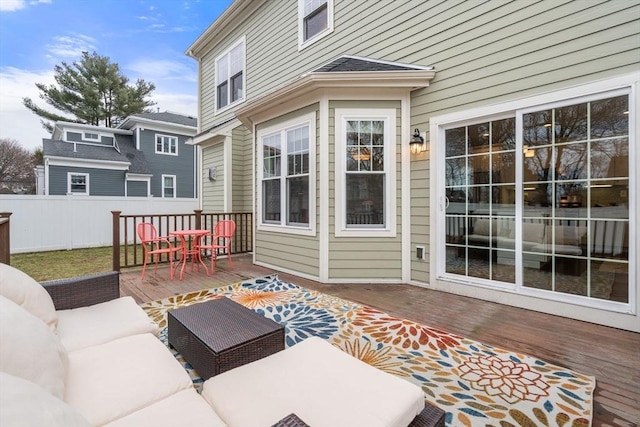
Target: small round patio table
pixel 192 252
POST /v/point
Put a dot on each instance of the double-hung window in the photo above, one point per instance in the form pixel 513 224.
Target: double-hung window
pixel 286 193
pixel 166 144
pixel 230 76
pixel 315 20
pixel 78 183
pixel 169 186
pixel 365 165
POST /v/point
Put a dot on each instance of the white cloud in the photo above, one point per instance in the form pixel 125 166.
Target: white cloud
pixel 153 70
pixel 70 46
pixel 13 5
pixel 16 121
pixel 177 103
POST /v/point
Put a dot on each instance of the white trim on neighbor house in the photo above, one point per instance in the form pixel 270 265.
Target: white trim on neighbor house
pixel 308 120
pixel 138 177
pixel 302 43
pixel 622 315
pixel 87 163
pixel 174 187
pixel 141 123
pixel 70 191
pixel 388 117
pixel 60 129
pixel 174 141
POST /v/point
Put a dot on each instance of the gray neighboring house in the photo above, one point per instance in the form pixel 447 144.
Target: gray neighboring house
pixel 147 155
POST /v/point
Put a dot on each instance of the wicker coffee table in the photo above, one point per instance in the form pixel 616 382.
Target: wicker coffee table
pixel 219 335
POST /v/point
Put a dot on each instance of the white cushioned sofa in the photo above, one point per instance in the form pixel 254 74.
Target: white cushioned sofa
pixel 74 353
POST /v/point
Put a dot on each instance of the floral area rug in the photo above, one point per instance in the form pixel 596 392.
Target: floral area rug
pixel 476 384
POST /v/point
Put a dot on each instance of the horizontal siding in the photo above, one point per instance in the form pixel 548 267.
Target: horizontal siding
pixel 291 252
pixel 213 191
pixel 102 182
pixel 242 189
pixel 370 257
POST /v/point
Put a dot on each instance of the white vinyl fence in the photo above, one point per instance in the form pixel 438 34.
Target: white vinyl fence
pixel 46 223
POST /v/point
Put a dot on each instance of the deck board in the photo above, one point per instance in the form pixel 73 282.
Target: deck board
pixel 611 355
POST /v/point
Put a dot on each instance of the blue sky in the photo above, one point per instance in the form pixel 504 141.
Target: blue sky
pixel 147 38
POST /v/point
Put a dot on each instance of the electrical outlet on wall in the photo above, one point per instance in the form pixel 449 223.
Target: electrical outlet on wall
pixel 420 253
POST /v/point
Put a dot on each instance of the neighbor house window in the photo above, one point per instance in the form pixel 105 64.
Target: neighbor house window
pixel 315 20
pixel 78 183
pixel 540 200
pixel 166 144
pixel 168 186
pixel 230 76
pixel 90 136
pixel 365 161
pixel 286 194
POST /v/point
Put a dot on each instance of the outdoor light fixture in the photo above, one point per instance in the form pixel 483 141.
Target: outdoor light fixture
pixel 417 142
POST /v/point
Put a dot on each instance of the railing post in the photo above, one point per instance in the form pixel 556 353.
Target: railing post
pixel 5 238
pixel 116 240
pixel 198 213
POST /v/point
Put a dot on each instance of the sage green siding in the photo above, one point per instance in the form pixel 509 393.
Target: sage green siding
pixel 213 191
pixel 241 160
pixel 364 257
pixel 291 251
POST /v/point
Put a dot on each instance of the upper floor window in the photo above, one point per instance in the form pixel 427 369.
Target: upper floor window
pixel 286 193
pixel 230 76
pixel 166 144
pixel 315 20
pixel 169 186
pixel 90 136
pixel 78 183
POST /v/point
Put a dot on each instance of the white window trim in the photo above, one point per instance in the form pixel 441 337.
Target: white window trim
pixel 588 92
pixel 302 43
pixel 85 138
pixel 175 185
pixel 75 193
pixel 155 142
pixel 388 115
pixel 310 229
pixel 217 110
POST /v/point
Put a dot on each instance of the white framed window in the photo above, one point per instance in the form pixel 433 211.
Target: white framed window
pixel 91 136
pixel 286 193
pixel 230 76
pixel 315 20
pixel 365 172
pixel 539 199
pixel 166 144
pixel 78 183
pixel 169 186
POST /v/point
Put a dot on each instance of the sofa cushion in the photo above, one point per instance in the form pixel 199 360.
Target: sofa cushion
pixel 185 409
pixel 321 384
pixel 23 403
pixel 109 381
pixel 30 349
pixel 100 323
pixel 20 288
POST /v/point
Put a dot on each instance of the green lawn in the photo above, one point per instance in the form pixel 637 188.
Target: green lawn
pixel 62 264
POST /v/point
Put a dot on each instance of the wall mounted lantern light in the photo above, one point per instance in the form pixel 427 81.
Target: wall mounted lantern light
pixel 417 142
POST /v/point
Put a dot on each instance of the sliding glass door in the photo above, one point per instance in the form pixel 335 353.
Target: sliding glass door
pixel 539 201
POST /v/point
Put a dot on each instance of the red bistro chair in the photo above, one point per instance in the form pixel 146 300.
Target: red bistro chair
pixel 153 244
pixel 220 240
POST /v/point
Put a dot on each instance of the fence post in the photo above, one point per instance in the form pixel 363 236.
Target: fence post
pixel 116 240
pixel 198 213
pixel 5 238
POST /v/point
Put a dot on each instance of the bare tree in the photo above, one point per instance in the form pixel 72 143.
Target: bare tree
pixel 16 167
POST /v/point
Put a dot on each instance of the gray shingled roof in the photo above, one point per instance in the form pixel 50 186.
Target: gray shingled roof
pixel 128 152
pixel 349 63
pixel 168 118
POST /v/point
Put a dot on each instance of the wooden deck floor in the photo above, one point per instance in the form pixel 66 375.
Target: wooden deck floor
pixel 611 355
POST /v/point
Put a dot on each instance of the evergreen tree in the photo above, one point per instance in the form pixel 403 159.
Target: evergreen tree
pixel 94 91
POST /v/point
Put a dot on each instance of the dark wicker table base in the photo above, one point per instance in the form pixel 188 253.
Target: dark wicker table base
pixel 429 417
pixel 219 335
